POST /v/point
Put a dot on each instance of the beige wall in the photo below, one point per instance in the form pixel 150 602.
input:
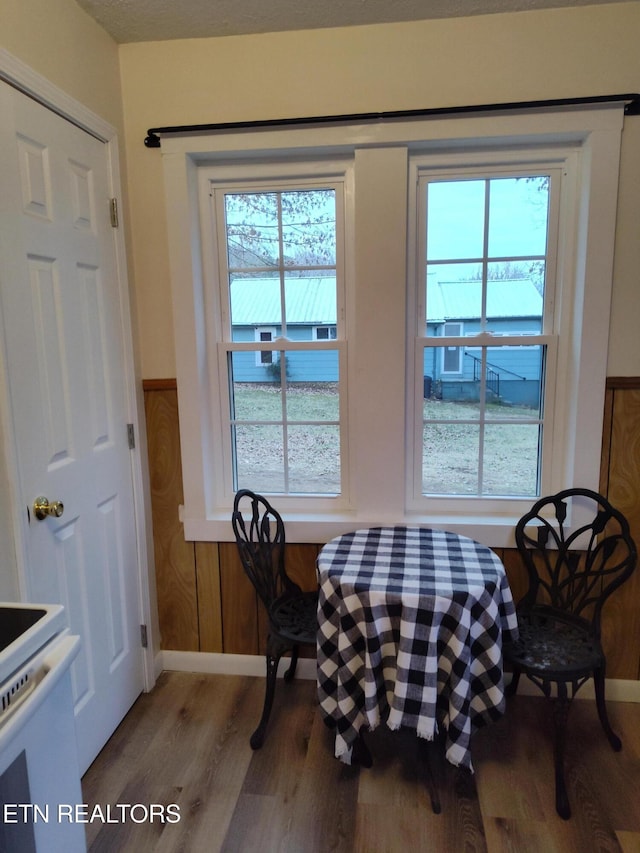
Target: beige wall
pixel 62 43
pixel 512 57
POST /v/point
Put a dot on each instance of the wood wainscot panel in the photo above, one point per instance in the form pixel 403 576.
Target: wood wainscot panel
pixel 516 572
pixel 621 617
pixel 174 557
pixel 209 597
pixel 240 610
pixel 244 619
pixel 205 601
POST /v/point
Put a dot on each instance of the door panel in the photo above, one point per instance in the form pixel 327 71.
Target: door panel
pixel 64 351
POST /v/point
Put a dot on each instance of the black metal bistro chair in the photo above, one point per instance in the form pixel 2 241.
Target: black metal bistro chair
pixel 572 572
pixel 260 537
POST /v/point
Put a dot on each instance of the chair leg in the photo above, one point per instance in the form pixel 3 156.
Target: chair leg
pixel 434 795
pixel 291 671
pixel 511 688
pixel 599 682
pixel 257 738
pixel 560 714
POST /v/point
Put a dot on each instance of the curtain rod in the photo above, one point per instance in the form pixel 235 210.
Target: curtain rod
pixel 632 107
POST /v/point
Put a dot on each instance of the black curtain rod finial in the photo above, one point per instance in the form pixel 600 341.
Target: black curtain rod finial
pixel 151 140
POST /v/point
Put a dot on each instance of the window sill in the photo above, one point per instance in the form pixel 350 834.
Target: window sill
pixel 494 531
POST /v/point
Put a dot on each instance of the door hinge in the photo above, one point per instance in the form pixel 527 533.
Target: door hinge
pixel 131 436
pixel 113 210
pixel 143 636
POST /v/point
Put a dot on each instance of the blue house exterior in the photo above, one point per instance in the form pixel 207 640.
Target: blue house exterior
pixel 256 315
pixel 514 307
pixel 513 373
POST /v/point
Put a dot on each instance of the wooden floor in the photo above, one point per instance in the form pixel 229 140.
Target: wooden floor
pixel 186 743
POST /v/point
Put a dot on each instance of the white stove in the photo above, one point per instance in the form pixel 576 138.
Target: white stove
pixel 39 774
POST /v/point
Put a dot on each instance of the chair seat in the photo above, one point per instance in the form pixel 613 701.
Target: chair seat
pixel 295 618
pixel 554 646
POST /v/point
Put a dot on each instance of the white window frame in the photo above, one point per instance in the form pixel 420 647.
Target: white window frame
pixel 561 163
pixel 381 368
pixel 213 181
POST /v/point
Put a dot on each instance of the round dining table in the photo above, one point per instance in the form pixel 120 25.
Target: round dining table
pixel 411 622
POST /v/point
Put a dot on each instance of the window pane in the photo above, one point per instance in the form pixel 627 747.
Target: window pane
pixel 309 227
pixel 514 380
pixel 475 423
pixel 514 298
pixel 314 459
pixel 259 456
pixel 314 398
pixel 255 301
pixel 455 220
pixel 300 452
pixel 511 459
pixel 450 454
pixel 454 292
pixel 518 213
pixel 455 372
pixel 251 221
pixel 256 385
pixel 309 300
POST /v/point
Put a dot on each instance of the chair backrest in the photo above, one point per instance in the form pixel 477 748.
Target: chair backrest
pixel 259 533
pixel 575 569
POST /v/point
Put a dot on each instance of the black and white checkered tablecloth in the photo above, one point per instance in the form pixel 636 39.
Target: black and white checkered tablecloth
pixel 410 627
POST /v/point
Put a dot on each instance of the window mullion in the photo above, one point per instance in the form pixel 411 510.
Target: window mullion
pixel 285 424
pixel 482 419
pixel 485 254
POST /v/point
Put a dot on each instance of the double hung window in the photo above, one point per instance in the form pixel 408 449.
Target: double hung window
pixel 403 323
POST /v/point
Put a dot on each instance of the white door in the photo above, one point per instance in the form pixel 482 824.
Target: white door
pixel 63 340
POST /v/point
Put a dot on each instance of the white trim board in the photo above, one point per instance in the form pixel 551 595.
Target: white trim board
pixel 618 690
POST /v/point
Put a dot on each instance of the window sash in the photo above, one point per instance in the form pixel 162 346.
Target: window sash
pixel 424 172
pixel 223 420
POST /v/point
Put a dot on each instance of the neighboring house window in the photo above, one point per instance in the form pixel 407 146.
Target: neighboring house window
pixel 435 299
pixel 264 357
pixel 325 333
pixel 452 355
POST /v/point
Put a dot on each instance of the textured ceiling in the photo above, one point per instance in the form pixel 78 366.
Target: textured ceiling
pixel 157 20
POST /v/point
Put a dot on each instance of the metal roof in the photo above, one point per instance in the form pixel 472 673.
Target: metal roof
pixel 462 300
pixel 309 301
pixel 312 301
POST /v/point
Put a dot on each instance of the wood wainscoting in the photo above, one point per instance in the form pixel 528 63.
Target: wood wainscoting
pixel 206 603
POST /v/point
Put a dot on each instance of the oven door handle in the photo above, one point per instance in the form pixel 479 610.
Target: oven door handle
pixel 55 659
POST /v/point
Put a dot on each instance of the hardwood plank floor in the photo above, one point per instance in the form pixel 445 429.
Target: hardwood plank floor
pixel 187 743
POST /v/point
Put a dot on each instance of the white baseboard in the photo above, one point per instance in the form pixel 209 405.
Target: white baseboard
pixel 618 690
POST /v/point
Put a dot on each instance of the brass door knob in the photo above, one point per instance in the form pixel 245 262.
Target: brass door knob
pixel 43 508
